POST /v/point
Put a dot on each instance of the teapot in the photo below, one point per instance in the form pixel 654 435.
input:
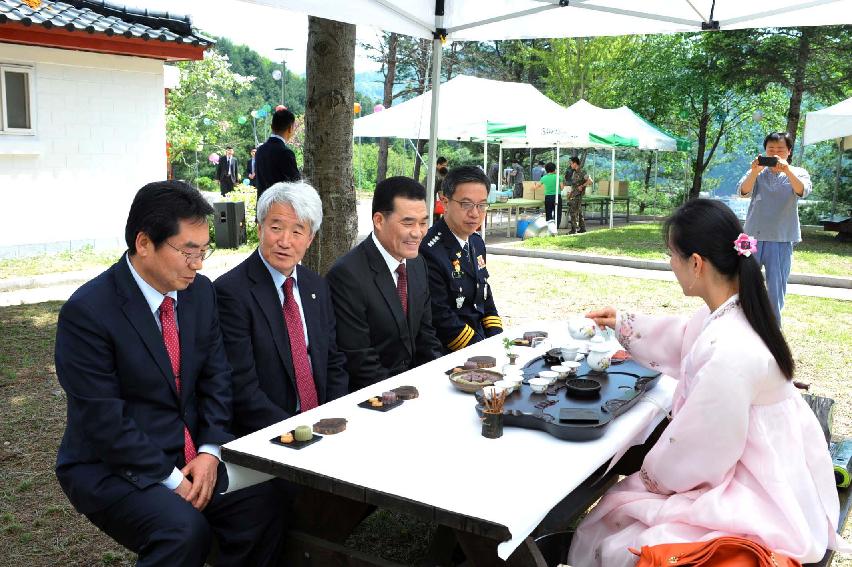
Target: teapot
pixel 581 328
pixel 599 357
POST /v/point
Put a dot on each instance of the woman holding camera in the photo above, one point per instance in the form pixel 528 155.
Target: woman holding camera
pixel 775 188
pixel 743 454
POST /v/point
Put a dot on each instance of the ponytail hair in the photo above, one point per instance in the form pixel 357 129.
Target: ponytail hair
pixel 708 228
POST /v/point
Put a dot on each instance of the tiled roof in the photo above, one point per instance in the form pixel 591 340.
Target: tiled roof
pixel 101 17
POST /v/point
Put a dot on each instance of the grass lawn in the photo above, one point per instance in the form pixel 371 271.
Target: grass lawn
pixel 38 527
pixel 818 253
pixel 83 259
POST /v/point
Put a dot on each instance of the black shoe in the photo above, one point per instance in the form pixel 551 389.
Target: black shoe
pixel 582 230
pixel 572 232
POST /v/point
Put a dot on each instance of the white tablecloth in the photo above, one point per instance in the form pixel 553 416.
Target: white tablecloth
pixel 430 449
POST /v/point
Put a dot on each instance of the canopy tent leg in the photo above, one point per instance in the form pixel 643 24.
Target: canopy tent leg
pixel 558 194
pixel 611 187
pixel 837 176
pixel 437 48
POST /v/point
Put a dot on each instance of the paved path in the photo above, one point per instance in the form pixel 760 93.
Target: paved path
pixel 58 287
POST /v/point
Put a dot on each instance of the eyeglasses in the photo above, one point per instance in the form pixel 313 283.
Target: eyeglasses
pixel 201 255
pixel 468 206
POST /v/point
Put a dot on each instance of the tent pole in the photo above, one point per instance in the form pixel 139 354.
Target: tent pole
pixel 500 174
pixel 837 176
pixel 433 127
pixel 558 193
pixel 611 186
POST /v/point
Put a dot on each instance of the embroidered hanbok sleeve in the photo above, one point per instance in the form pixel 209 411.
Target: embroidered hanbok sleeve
pixel 654 341
pixel 706 437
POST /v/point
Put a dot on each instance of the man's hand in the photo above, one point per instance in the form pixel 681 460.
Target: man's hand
pixel 183 489
pixel 756 167
pixel 251 175
pixel 782 166
pixel 202 472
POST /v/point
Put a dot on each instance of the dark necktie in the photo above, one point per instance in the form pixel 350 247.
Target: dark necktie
pixel 466 250
pixel 298 350
pixel 172 342
pixel 402 287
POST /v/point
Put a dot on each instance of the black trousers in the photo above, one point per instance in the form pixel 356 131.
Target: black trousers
pixel 549 206
pixel 164 529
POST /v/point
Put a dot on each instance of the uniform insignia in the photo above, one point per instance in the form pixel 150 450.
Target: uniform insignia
pixel 456 269
pixel 458 254
pixel 459 302
pixel 313 296
pixel 480 262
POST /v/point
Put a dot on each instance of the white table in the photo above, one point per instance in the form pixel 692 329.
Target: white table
pixel 429 451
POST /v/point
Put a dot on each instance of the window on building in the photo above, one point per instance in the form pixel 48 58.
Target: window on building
pixel 16 97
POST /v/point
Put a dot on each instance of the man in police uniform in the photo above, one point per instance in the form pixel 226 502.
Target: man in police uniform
pixel 463 310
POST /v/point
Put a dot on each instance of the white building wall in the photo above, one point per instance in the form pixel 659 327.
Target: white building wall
pixel 100 135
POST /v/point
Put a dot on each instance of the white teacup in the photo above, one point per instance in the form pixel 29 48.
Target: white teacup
pixel 548 375
pixel 566 369
pixel 539 385
pixel 508 385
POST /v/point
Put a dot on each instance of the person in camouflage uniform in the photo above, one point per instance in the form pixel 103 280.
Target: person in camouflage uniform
pixel 579 180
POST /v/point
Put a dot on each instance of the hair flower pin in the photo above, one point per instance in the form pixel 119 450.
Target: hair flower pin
pixel 745 245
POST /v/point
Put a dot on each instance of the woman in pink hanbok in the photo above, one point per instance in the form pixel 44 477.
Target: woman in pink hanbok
pixel 743 454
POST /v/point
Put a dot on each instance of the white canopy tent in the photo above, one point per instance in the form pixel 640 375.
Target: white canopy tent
pixel 832 123
pixel 482 20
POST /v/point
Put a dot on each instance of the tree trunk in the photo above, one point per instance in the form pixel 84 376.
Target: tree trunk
pixel 421 147
pixel 794 112
pixel 387 101
pixel 698 169
pixel 642 202
pixel 330 72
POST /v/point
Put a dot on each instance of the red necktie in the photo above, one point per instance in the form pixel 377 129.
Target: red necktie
pixel 298 350
pixel 402 287
pixel 172 342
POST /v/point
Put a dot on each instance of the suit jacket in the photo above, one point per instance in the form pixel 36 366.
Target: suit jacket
pixel 250 170
pixel 275 162
pixel 125 421
pixel 377 337
pixel 227 176
pixel 258 345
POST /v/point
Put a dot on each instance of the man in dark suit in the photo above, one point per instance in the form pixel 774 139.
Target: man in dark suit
pixel 251 169
pixel 226 171
pixel 463 308
pixel 277 317
pixel 381 292
pixel 274 160
pixel 140 356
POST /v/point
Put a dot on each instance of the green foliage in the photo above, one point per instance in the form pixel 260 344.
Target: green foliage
pixel 204 183
pixel 199 115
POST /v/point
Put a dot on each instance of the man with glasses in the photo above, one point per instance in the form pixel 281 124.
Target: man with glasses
pixel 277 317
pixel 140 357
pixel 463 310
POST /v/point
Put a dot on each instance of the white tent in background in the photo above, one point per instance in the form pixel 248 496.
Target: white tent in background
pixel 832 123
pixel 468 104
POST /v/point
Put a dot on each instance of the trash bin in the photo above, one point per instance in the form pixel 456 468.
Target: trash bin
pixel 523 222
pixel 229 224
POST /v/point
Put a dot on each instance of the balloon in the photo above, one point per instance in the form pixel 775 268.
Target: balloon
pixel 242 119
pixel 253 114
pixel 213 158
pixel 378 108
pixel 261 113
pixel 758 115
pixel 267 107
pixel 357 108
pixel 207 122
pixel 276 74
pixel 246 182
pixel 280 107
